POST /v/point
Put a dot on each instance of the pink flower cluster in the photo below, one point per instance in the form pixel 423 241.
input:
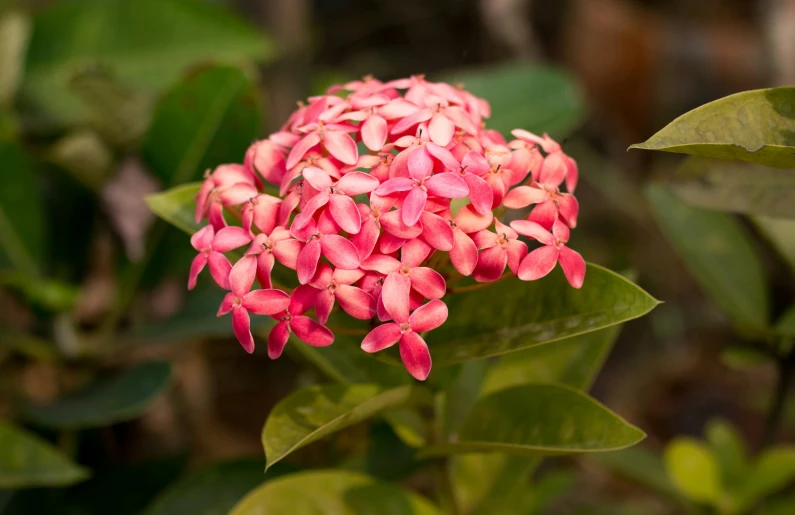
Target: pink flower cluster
pixel 384 196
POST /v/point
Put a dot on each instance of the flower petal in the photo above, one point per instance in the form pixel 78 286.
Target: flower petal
pixel 324 303
pixel 265 263
pixel 302 299
pixel 420 163
pixel 340 251
pixel 447 185
pixel 301 148
pixel 374 132
pixel 411 120
pixel 366 238
pixel 545 214
pixel 480 193
pixel 395 185
pixel 523 196
pixel 470 221
pixel 355 301
pixel 568 207
pixel 344 211
pixel 237 194
pixel 241 325
pixel 441 129
pixel 415 355
pixel 395 296
pixel 219 269
pixel 266 302
pixel 311 332
pixel 446 157
pixel 287 252
pixel 242 276
pixel 414 252
pixel 436 231
pixel 464 254
pixel 307 261
pixel 227 303
pixel 428 316
pixel 340 145
pixel 573 266
pixel 413 205
pixel 538 263
pixel 203 238
pixel 230 238
pixel 381 263
pixel 533 230
pixel 428 282
pixel 277 339
pixel 491 264
pixel 392 222
pixel 196 266
pixel 381 337
pixel 357 183
pixel 553 171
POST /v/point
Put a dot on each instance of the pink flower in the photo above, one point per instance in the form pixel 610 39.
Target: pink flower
pixel 335 139
pixel 541 261
pixel 240 301
pixel 321 238
pixel 228 185
pixel 553 150
pixel 498 250
pixel 279 244
pixel 337 285
pixel 263 212
pixel 480 193
pixel 405 328
pixel 464 254
pixel 421 184
pixel 211 247
pixel 291 320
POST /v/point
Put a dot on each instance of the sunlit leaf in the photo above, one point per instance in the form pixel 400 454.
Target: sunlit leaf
pixel 14 33
pixel 177 206
pixel 694 470
pixel 771 472
pixel 756 126
pixel 781 234
pixel 729 450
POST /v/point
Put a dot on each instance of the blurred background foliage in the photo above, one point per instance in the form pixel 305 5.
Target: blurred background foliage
pixel 131 397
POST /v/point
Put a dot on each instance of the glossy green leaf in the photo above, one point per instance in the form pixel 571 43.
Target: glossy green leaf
pixel 118 398
pixel 573 361
pixel 781 234
pixel 642 466
pixel 177 206
pixel 332 492
pixel 756 126
pixel 694 470
pixel 719 253
pixel 729 450
pixel 540 419
pixel 527 97
pixel 735 186
pixel 772 471
pixel 27 461
pixel 514 315
pixel 312 413
pixel 147 44
pixel 212 490
pixel 208 119
pixel 22 238
pixel 14 33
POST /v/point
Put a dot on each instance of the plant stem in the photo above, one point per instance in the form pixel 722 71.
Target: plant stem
pixel 786 373
pixel 444 487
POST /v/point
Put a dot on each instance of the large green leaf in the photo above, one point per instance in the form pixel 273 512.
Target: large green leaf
pixel 27 461
pixel 208 119
pixel 14 33
pixel 694 470
pixel 212 490
pixel 527 97
pixel 22 229
pixel 331 492
pixel 540 419
pixel 115 399
pixel 312 413
pixel 735 186
pixel 177 206
pixel 772 471
pixel 757 126
pixel 719 253
pixel 514 315
pixel 147 44
pixel 729 450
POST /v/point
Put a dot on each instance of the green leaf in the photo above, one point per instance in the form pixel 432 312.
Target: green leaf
pixel 735 186
pixel 771 472
pixel 548 489
pixel 719 253
pixel 729 449
pixel 514 315
pixel 332 492
pixel 22 228
pixel 744 358
pixel 460 396
pixel 147 44
pixel 781 234
pixel 312 413
pixel 785 325
pixel 29 345
pixel 694 470
pixel 573 361
pixel 27 461
pixel 642 466
pixel 14 33
pixel 177 206
pixel 527 97
pixel 208 119
pixel 212 490
pixel 84 154
pixel 756 126
pixel 540 419
pixel 119 398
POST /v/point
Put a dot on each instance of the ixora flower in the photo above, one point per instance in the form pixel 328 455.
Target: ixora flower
pixel 389 194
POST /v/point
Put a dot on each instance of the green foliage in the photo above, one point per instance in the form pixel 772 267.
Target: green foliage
pixel 729 450
pixel 146 44
pixel 177 206
pixel 204 121
pixel 118 398
pixel 781 234
pixel 312 413
pixel 553 420
pixel 513 315
pixel 331 492
pixel 641 465
pixel 772 471
pixel 694 470
pixel 719 253
pixel 734 186
pixel 14 33
pixel 756 126
pixel 528 97
pixel 27 461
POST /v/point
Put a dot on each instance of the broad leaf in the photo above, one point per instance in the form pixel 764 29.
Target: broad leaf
pixel 771 472
pixel 22 229
pixel 27 461
pixel 460 396
pixel 540 419
pixel 14 33
pixel 642 466
pixel 756 126
pixel 694 470
pixel 735 186
pixel 781 234
pixel 719 253
pixel 573 361
pixel 514 315
pixel 332 492
pixel 729 450
pixel 177 206
pixel 312 413
pixel 527 97
pixel 212 490
pixel 208 119
pixel 146 44
pixel 121 397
